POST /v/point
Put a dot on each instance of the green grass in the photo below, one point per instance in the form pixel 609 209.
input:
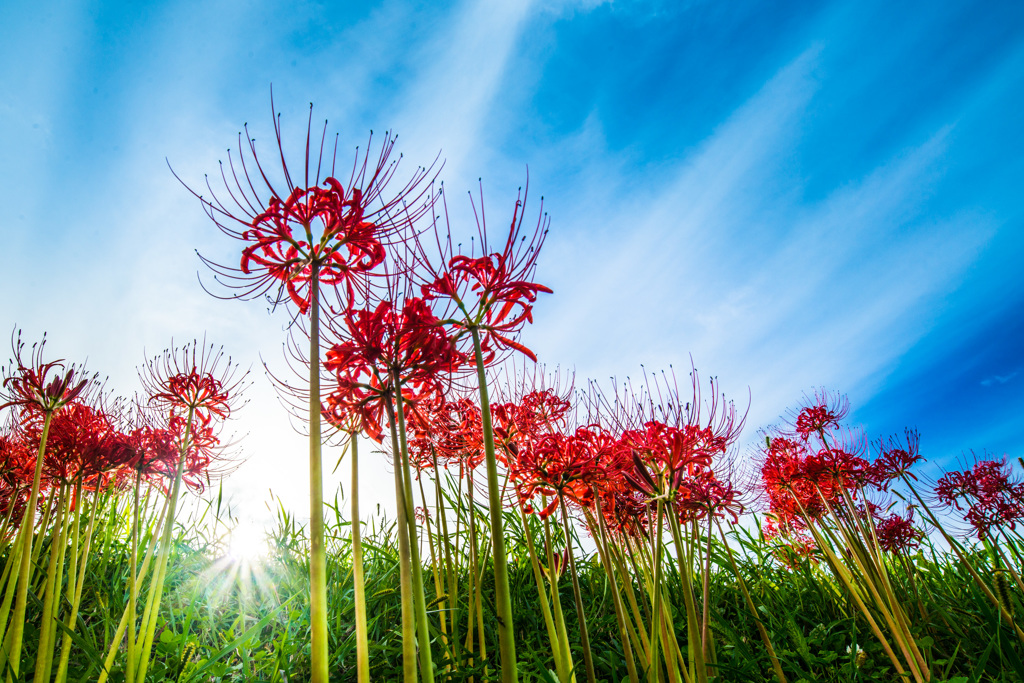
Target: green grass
pixel 222 620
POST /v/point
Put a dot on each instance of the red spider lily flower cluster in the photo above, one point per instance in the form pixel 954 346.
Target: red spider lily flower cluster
pixel 897 534
pixel 38 387
pixel 895 458
pixel 448 433
pixel 93 443
pixel 822 413
pixel 808 469
pixel 492 294
pixel 993 497
pixel 816 467
pixel 386 343
pixel 324 228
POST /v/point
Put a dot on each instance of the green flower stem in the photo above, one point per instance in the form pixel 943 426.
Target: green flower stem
pixel 115 642
pixel 12 642
pixel 887 608
pixel 450 574
pixel 542 594
pixel 588 657
pixel 317 548
pixel 626 580
pixel 779 675
pixel 435 568
pixel 698 666
pixel 471 589
pixel 362 641
pixel 601 539
pixel 502 595
pixel 843 574
pixel 58 542
pixel 72 618
pixel 1007 617
pixel 654 674
pixel 419 599
pixel 133 587
pixel 404 568
pixel 157 582
pixel 556 600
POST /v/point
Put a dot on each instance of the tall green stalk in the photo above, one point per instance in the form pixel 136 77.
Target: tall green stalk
pixel 404 568
pixel 420 604
pixel 157 582
pixel 502 595
pixel 72 618
pixel 12 643
pixel 588 657
pixel 317 547
pixel 362 643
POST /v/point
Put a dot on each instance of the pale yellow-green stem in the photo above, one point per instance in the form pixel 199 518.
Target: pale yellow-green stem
pixel 1007 617
pixel 11 583
pixel 843 574
pixel 450 574
pixel 502 596
pixel 698 666
pixel 563 675
pixel 115 642
pixel 904 640
pixel 317 549
pixel 362 643
pixel 485 543
pixel 435 568
pixel 72 619
pixel 639 634
pixel 588 657
pixel 157 582
pixel 601 538
pixel 472 588
pixel 12 649
pixel 776 666
pixel 404 568
pixel 419 599
pixel 58 542
pixel 133 587
pixel 654 674
pixel 558 614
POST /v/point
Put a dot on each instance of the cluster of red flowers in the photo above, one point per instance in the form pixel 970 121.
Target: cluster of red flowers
pixel 92 443
pixel 814 467
pixel 988 490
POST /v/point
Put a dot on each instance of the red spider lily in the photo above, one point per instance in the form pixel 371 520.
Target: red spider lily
pixel 493 293
pixel 992 495
pixel 384 341
pixel 560 465
pixel 77 443
pixel 624 507
pixel 17 458
pixel 197 378
pixel 325 229
pixel 897 534
pixel 791 494
pixel 447 431
pixel 705 495
pixel 537 412
pixel 39 388
pixel 895 459
pixel 197 381
pixel 803 474
pixel 823 412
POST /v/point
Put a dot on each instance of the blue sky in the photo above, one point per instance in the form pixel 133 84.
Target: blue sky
pixel 797 194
